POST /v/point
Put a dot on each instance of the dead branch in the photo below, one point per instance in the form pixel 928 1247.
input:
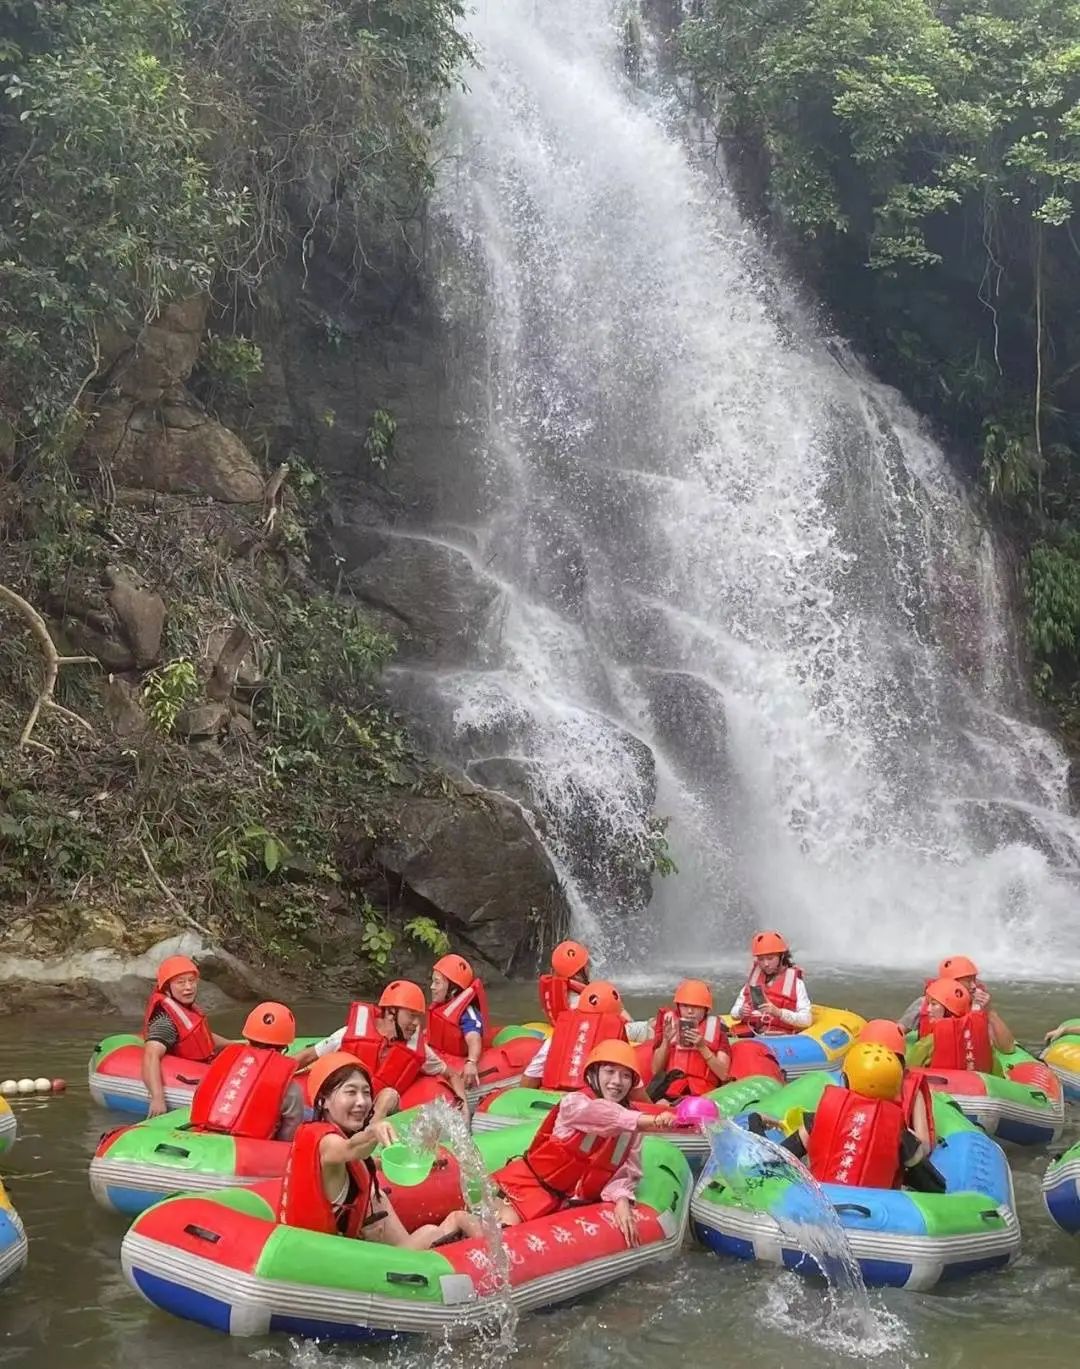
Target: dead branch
pixel 174 901
pixel 53 663
pixel 230 658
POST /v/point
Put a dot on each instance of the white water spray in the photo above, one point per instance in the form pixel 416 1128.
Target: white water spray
pixel 728 563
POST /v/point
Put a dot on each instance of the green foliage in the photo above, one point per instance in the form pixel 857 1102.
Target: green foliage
pixel 376 939
pixel 427 933
pixel 231 362
pixel 379 439
pixel 658 852
pixel 167 691
pixel 1053 591
pixel 40 846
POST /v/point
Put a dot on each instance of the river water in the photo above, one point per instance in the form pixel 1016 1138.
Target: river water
pixel 71 1309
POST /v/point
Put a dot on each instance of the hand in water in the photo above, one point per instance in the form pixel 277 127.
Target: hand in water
pixel 626 1221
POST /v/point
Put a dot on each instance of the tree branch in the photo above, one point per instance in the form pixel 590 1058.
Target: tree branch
pixel 53 662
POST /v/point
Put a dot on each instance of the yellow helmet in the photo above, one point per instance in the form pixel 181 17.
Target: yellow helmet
pixel 873 1071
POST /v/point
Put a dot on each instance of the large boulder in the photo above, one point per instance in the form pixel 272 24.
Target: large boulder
pixel 474 859
pixel 164 353
pixel 439 598
pixel 688 720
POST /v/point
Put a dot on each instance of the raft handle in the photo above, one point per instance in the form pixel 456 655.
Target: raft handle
pixel 413 1280
pixel 493 1070
pixel 202 1233
pixel 541 1105
pixel 857 1208
pixel 1039 1096
pixel 988 1214
pixel 183 1079
pixel 166 1149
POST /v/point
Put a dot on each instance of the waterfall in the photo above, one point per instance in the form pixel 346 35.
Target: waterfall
pixel 733 581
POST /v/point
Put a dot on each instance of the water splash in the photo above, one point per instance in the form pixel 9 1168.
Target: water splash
pixel 744 1160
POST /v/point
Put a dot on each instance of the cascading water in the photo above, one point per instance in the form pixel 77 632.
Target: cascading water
pixel 736 583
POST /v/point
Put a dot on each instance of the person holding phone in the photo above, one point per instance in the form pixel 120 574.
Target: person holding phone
pixel 774 1000
pixel 691 1052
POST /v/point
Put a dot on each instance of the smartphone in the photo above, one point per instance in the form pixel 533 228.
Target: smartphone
pixel 757 996
pixel 686 1026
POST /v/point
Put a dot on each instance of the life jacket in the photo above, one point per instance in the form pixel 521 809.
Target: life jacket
pixel 916 1086
pixel 555 994
pixel 856 1140
pixel 242 1092
pixel 196 1039
pixel 553 1172
pixel 390 1064
pixel 699 1078
pixel 444 1031
pixel 574 1036
pixel 303 1201
pixel 781 991
pixel 961 1043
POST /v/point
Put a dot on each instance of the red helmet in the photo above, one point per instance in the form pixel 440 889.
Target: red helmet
pixel 957 967
pixel 569 958
pixel 600 997
pixel 768 943
pixel 881 1032
pixel 455 968
pixel 402 993
pixel 175 965
pixel 270 1024
pixel 951 994
pixel 695 993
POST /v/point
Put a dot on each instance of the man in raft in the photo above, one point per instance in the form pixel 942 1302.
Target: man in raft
pixel 953 1036
pixel 388 1037
pixel 174 1025
pixel 249 1089
pixel 857 1134
pixel 457 1021
pixel 330 1183
pixel 965 972
pixel 588 1149
pixel 691 1052
pixel 774 999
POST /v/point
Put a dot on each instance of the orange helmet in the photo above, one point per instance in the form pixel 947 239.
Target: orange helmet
pixel 768 943
pixel 569 958
pixel 695 993
pixel 951 994
pixel 455 968
pixel 882 1032
pixel 957 967
pixel 174 965
pixel 271 1024
pixel 402 993
pixel 615 1052
pixel 600 997
pixel 327 1065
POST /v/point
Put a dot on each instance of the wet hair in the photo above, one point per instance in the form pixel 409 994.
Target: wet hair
pixel 335 1081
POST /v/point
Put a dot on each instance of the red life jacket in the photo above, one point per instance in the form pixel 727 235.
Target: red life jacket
pixel 555 994
pixel 196 1039
pixel 574 1036
pixel 699 1077
pixel 917 1086
pixel 391 1064
pixel 961 1043
pixel 781 991
pixel 444 1031
pixel 552 1172
pixel 856 1140
pixel 243 1091
pixel 303 1201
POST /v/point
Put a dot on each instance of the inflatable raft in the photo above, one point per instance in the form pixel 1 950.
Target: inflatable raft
pixel 1063 1057
pixel 900 1238
pixel 821 1046
pixel 221 1261
pixel 1061 1190
pixel 1025 1105
pixel 8 1128
pixel 514 1106
pixel 12 1239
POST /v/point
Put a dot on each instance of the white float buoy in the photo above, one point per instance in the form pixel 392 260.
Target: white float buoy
pixel 43 1085
pixel 27 1086
pixel 8 1087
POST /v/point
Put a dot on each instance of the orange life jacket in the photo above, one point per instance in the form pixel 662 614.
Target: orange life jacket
pixel 303 1201
pixel 574 1036
pixel 390 1064
pixel 551 1173
pixel 917 1086
pixel 444 1031
pixel 243 1091
pixel 196 1039
pixel 856 1140
pixel 960 1043
pixel 781 991
pixel 699 1078
pixel 555 994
